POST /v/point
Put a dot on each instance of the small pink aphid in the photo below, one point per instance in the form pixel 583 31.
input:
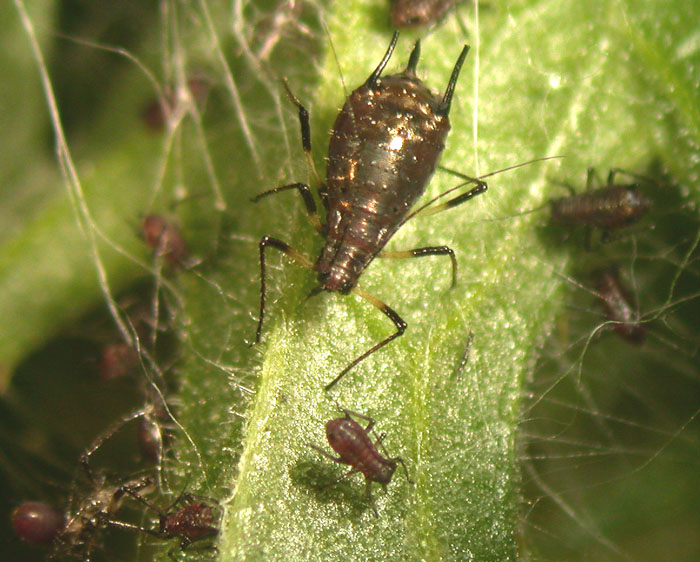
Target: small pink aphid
pixel 165 239
pixel 355 448
pixel 37 522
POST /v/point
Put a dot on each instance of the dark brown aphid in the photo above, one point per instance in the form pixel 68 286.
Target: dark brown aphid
pixel 418 13
pixel 355 448
pixel 608 208
pixel 165 239
pixel 617 304
pixel 196 520
pixel 37 522
pixel 384 147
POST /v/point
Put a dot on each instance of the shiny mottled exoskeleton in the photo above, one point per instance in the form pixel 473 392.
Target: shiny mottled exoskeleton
pixel 385 145
pixel 355 448
pixel 418 13
pixel 617 305
pixel 607 208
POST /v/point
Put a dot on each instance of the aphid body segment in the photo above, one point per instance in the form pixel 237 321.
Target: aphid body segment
pixel 608 208
pixel 384 147
pixel 37 522
pixel 355 448
pixel 617 305
pixel 417 13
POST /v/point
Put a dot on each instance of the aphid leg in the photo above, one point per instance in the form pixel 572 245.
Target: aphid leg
pixel 285 248
pixel 325 453
pixel 379 442
pixel 393 316
pixel 350 413
pixel 426 251
pixel 368 493
pixel 481 187
pixel 104 436
pixel 305 193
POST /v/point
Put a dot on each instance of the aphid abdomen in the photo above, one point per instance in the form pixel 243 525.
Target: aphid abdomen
pixel 415 13
pixel 384 147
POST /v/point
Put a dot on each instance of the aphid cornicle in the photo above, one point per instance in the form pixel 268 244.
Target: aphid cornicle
pixel 384 147
pixel 417 13
pixel 355 448
pixel 608 208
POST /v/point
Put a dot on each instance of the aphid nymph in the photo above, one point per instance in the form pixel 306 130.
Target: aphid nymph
pixel 384 147
pixel 617 304
pixel 607 208
pixel 355 448
pixel 418 13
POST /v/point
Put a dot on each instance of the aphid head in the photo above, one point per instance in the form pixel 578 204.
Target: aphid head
pixel 638 203
pixel 386 472
pixel 334 281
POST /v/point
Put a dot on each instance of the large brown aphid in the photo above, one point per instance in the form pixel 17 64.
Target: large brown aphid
pixel 384 147
pixel 355 448
pixel 607 208
pixel 617 305
pixel 418 13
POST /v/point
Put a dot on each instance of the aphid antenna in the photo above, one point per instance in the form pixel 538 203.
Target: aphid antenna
pixel 335 58
pixel 480 188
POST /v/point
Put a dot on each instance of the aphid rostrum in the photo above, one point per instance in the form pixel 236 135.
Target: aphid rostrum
pixel 355 448
pixel 418 13
pixel 607 208
pixel 384 147
pixel 617 305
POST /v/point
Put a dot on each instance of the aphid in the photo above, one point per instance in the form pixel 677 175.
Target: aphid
pixel 608 208
pixel 617 304
pixel 165 239
pixel 170 107
pixel 196 520
pixel 37 522
pixel 355 448
pixel 383 149
pixel 417 13
pixel 117 360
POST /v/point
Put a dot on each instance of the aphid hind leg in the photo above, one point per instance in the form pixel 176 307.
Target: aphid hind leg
pixel 481 187
pixel 393 316
pixel 305 193
pixel 265 242
pixel 426 251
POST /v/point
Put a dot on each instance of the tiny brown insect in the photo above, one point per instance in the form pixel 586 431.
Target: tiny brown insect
pixel 418 13
pixel 195 521
pixel 355 448
pixel 607 208
pixel 384 147
pixel 165 239
pixel 617 305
